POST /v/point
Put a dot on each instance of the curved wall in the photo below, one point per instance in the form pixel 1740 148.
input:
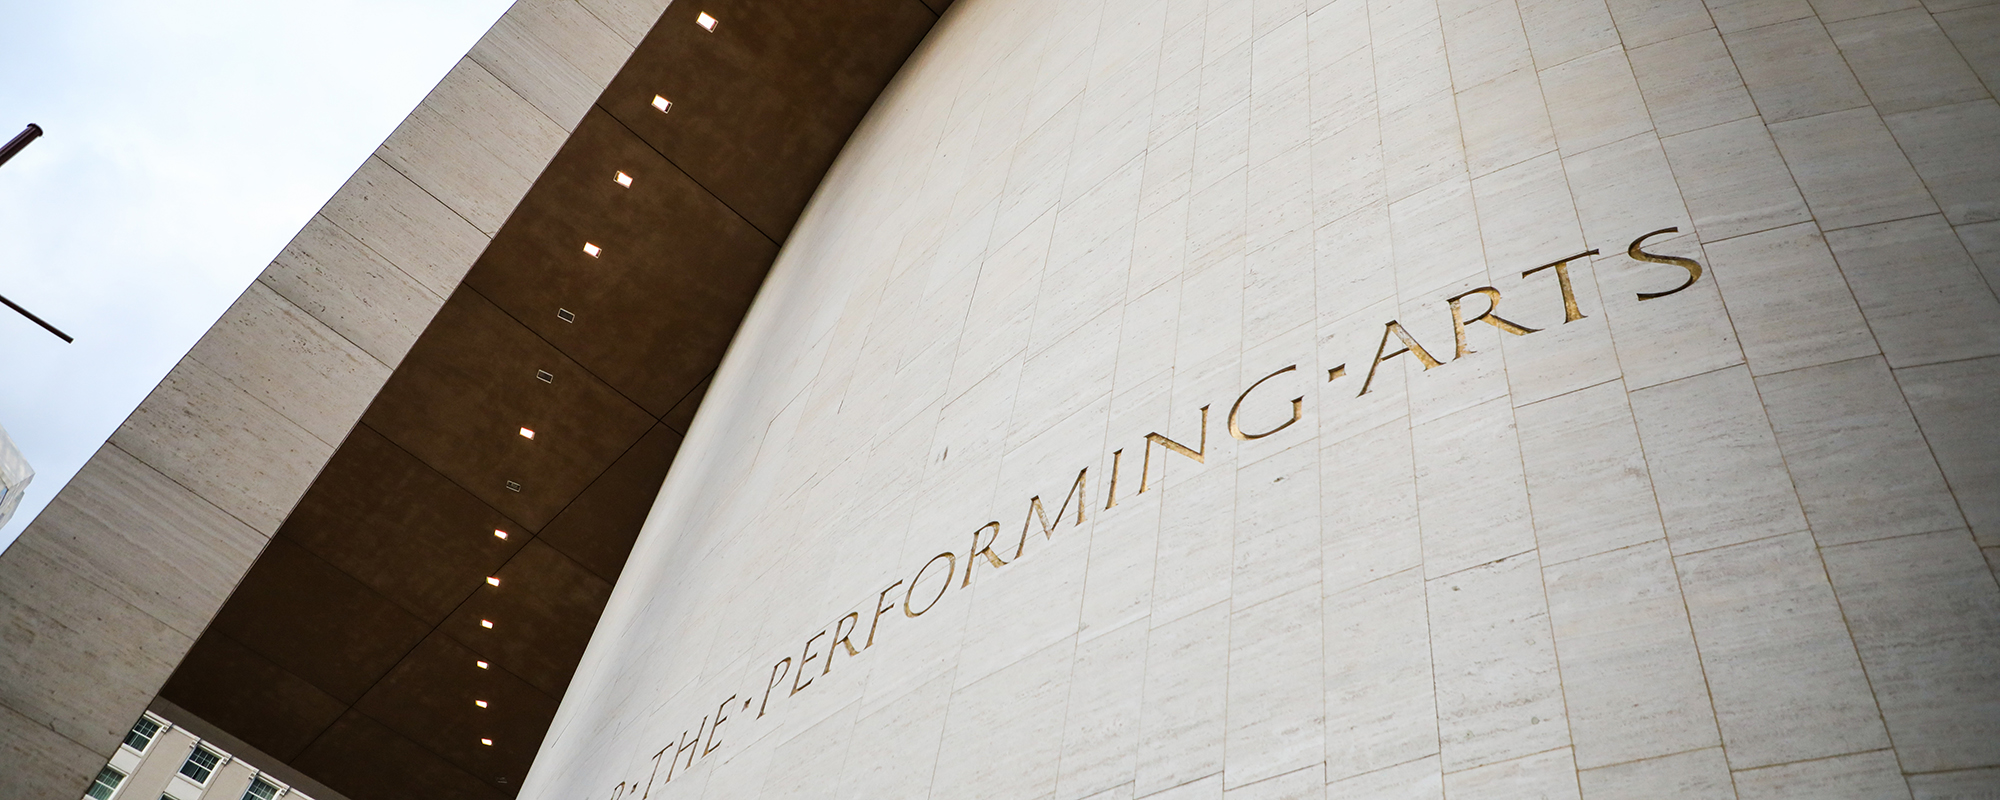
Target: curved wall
pixel 1002 491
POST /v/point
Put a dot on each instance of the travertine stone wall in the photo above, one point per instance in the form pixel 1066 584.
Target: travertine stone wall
pixel 106 590
pixel 1725 542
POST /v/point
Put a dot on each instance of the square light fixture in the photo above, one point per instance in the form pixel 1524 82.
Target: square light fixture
pixel 623 180
pixel 663 104
pixel 486 623
pixel 527 433
pixel 706 22
pixel 545 376
pixel 591 249
pixel 499 534
pixel 513 486
pixel 565 315
pixel 480 703
pixel 480 664
pixel 491 581
pixel 487 742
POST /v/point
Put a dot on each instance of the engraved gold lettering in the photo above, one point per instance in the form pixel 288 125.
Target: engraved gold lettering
pixel 804 659
pixel 1336 372
pixel 1113 501
pixel 1394 328
pixel 655 773
pixel 972 560
pixel 1570 312
pixel 1146 463
pixel 719 718
pixel 1076 490
pixel 879 611
pixel 842 639
pixel 910 611
pixel 1488 316
pixel 1693 267
pixel 776 676
pixel 687 747
pixel 1297 404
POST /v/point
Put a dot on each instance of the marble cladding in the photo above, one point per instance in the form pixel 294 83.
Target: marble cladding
pixel 1731 542
pixel 106 590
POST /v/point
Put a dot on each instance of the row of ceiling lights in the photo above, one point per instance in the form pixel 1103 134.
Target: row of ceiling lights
pixel 591 249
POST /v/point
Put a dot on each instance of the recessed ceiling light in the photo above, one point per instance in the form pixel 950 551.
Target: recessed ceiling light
pixel 486 623
pixel 481 664
pixel 565 315
pixel 591 249
pixel 545 376
pixel 527 434
pixel 513 486
pixel 624 180
pixel 480 703
pixel 492 581
pixel 663 104
pixel 706 22
pixel 487 742
pixel 499 534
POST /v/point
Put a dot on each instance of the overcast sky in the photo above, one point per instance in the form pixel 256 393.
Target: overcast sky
pixel 188 140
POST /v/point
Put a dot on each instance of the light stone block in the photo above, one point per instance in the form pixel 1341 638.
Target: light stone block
pixel 1623 190
pixel 1641 23
pixel 1562 30
pixel 1308 783
pixel 1343 91
pixel 1861 468
pixel 1277 723
pixel 1347 173
pixel 1660 341
pixel 1526 219
pixel 1411 66
pixel 474 145
pixel 1482 617
pixel 205 433
pixel 1982 242
pixel 1937 141
pixel 1872 775
pixel 903 735
pixel 1484 40
pixel 1794 70
pixel 1587 478
pixel 1594 100
pixel 292 362
pixel 1016 710
pixel 1415 780
pixel 1926 617
pixel 1273 304
pixel 1436 238
pixel 1905 62
pixel 556 54
pixel 1953 406
pixel 1504 121
pixel 1631 677
pixel 630 19
pixel 1368 507
pixel 1971 784
pixel 1562 356
pixel 1549 776
pixel 1381 708
pixel 1695 775
pixel 1733 180
pixel 1277 542
pixel 398 220
pixel 1737 15
pixel 1690 82
pixel 1718 474
pixel 1850 170
pixel 329 274
pixel 1186 703
pixel 1837 10
pixel 1353 263
pixel 1470 495
pixel 1100 740
pixel 126 528
pixel 1791 306
pixel 1924 301
pixel 1218 224
pixel 1976 32
pixel 1427 149
pixel 1781 667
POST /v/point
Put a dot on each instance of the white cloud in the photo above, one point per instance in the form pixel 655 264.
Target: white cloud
pixel 187 142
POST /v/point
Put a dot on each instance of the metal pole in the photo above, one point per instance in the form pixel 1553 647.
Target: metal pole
pixel 19 143
pixel 38 320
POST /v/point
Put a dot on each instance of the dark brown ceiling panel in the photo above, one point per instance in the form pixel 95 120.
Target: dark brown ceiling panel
pixel 432 699
pixel 469 385
pixel 362 758
pixel 598 529
pixel 542 613
pixel 762 105
pixel 244 693
pixel 682 414
pixel 317 622
pixel 656 307
pixel 400 527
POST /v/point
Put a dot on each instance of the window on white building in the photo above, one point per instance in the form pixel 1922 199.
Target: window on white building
pixel 261 789
pixel 200 764
pixel 142 733
pixel 106 784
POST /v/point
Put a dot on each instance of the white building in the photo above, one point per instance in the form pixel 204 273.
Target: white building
pixel 15 475
pixel 159 759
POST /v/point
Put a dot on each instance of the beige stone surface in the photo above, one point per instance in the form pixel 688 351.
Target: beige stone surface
pixel 331 276
pixel 1952 404
pixel 1694 775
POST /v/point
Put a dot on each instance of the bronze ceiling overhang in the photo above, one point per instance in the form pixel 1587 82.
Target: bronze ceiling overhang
pixel 352 648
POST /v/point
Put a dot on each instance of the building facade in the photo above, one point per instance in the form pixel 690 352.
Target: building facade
pixel 15 474
pixel 158 759
pixel 1154 400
